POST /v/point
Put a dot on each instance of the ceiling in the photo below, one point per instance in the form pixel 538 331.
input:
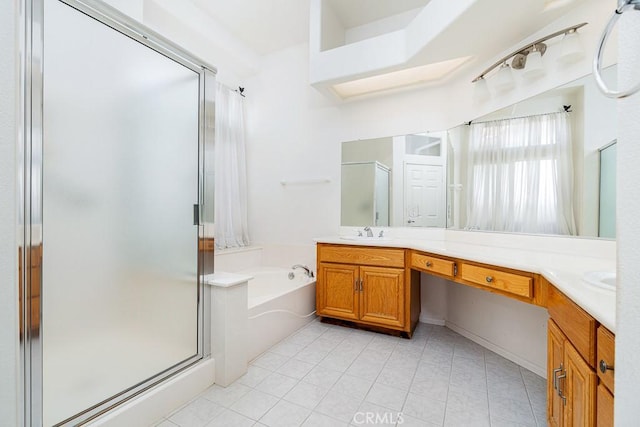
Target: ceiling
pixel 267 26
pixel 271 25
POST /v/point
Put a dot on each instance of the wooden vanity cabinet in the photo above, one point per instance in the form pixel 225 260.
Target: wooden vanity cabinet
pixel 571 387
pixel 580 357
pixel 366 285
pixel 605 371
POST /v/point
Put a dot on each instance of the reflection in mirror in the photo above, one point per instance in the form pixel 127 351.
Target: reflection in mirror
pixel 395 181
pixel 545 186
pixel 535 168
pixel 607 221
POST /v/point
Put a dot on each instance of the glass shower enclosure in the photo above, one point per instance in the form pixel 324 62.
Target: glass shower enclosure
pixel 113 172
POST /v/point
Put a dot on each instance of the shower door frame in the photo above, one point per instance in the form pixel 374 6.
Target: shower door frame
pixel 30 146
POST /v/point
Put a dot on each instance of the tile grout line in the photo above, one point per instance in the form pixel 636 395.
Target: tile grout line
pixel 444 417
pixel 526 389
pixel 486 375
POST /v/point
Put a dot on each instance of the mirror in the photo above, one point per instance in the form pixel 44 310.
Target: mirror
pixel 529 184
pixel 395 181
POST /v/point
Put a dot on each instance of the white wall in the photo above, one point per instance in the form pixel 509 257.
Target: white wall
pixel 627 410
pixel 381 26
pixel 8 243
pixel 332 33
pixel 133 8
pixel 516 330
pixel 196 31
pixel 294 131
pixel 600 128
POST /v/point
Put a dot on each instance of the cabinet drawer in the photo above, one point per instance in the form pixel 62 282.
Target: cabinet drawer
pixel 361 255
pixel 606 357
pixel 432 264
pixel 496 279
pixel 577 325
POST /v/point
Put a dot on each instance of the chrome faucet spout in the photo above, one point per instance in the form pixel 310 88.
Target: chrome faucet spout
pixel 369 231
pixel 306 269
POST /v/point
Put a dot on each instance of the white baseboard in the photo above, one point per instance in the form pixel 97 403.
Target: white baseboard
pixel 539 370
pixel 160 400
pixel 431 320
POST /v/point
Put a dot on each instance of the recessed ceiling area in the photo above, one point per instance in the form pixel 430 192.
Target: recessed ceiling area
pixel 373 38
pixel 268 26
pixel 423 74
pixel 439 33
pixel 354 13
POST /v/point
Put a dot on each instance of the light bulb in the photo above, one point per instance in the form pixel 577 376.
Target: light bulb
pixel 571 47
pixel 481 90
pixel 534 67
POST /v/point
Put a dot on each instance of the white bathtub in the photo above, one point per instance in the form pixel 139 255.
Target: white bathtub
pixel 278 306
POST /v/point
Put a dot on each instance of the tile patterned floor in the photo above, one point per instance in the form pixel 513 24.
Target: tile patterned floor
pixel 325 375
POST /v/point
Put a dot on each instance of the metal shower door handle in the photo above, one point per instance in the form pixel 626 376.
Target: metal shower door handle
pixel 623 6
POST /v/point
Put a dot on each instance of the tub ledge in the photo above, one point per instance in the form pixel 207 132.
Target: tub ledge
pixel 223 279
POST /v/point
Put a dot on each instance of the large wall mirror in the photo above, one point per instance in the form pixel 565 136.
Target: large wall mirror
pixel 545 165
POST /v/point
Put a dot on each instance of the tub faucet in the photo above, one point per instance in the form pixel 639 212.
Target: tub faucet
pixel 369 231
pixel 306 269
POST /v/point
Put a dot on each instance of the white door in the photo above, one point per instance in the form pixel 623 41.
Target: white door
pixel 424 195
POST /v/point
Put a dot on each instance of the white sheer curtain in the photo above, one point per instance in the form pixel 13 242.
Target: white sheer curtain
pixel 521 175
pixel 230 229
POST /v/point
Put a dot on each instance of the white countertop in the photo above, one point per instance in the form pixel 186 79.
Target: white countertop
pixel 223 279
pixel 564 270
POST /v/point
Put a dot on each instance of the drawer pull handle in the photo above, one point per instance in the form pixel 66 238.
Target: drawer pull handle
pixel 429 264
pixel 489 279
pixel 604 367
pixel 562 396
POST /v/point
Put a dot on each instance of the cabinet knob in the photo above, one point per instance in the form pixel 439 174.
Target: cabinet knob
pixel 429 264
pixel 489 279
pixel 604 367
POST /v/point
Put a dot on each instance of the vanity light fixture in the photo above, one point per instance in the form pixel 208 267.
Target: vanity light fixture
pixel 503 80
pixel 481 90
pixel 535 65
pixel 529 58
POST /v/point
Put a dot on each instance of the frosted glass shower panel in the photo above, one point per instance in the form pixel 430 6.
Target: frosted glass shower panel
pixel 120 178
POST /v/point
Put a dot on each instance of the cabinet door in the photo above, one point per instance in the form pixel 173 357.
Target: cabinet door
pixel 337 291
pixel 579 388
pixel 555 363
pixel 605 407
pixel 382 298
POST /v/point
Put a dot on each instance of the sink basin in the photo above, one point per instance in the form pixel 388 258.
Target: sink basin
pixel 366 239
pixel 601 279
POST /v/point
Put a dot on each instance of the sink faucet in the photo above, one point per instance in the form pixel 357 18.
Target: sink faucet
pixel 369 231
pixel 306 269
